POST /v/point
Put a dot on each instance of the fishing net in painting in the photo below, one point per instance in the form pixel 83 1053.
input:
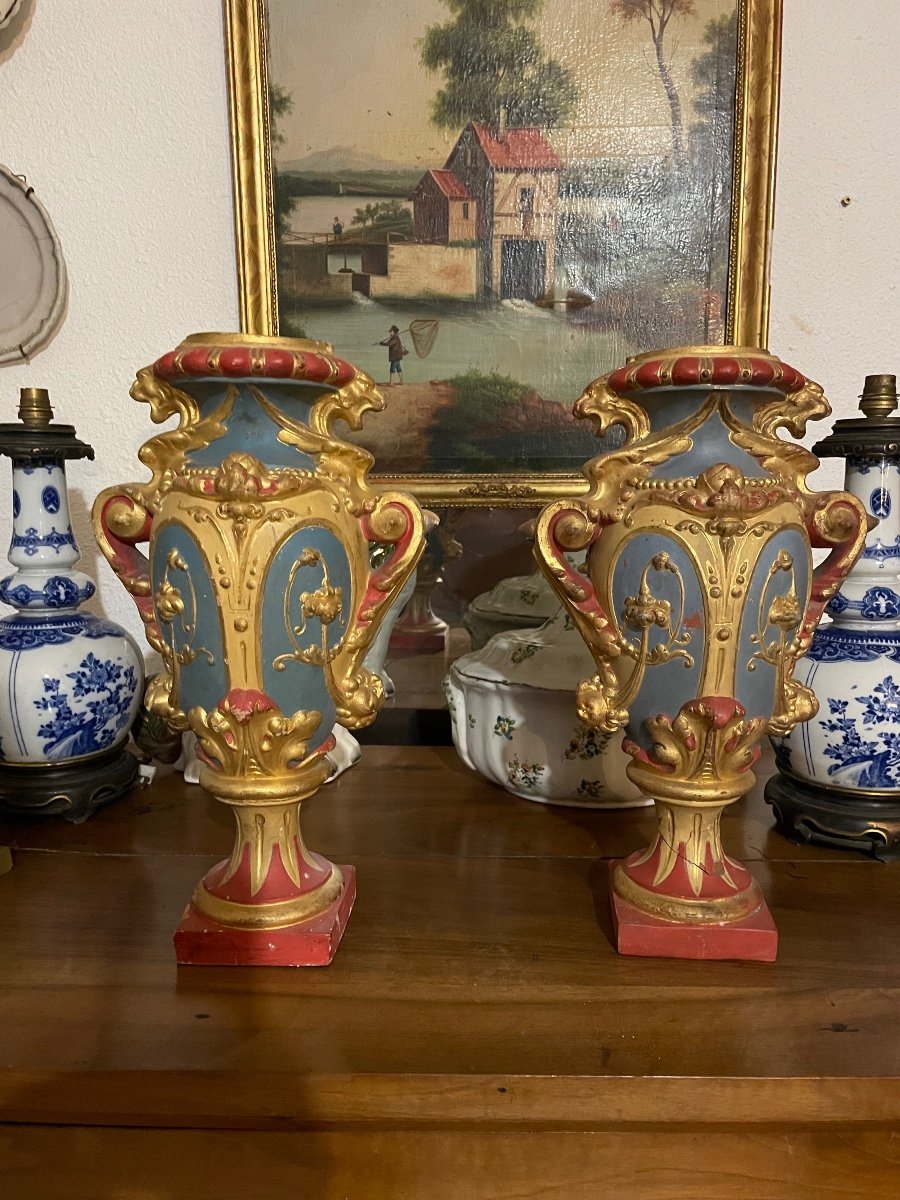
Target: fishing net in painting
pixel 423 335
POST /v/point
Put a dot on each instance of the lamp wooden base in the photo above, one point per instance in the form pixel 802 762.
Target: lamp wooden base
pixel 201 941
pixel 755 938
pixel 869 823
pixel 73 790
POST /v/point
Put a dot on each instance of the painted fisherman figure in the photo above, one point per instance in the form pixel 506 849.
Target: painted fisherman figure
pixel 396 353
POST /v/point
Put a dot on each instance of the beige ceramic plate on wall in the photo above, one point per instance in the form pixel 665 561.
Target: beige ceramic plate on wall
pixel 32 271
pixel 7 11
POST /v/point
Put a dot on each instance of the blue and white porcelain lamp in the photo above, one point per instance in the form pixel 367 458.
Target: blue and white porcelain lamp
pixel 70 682
pixel 839 774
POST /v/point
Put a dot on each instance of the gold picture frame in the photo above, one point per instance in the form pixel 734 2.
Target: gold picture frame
pixel 751 214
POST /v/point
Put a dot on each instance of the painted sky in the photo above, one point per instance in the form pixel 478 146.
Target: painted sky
pixel 353 69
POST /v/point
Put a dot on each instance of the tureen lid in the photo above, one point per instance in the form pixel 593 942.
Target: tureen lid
pixel 518 595
pixel 552 657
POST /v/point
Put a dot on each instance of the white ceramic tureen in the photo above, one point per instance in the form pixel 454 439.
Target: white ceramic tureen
pixel 519 602
pixel 512 710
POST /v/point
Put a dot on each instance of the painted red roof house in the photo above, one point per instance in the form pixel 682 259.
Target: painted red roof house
pixel 516 149
pixel 443 209
pixel 499 187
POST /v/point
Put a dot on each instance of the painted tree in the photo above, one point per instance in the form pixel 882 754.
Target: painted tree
pixel 715 75
pixel 658 14
pixel 280 104
pixel 711 145
pixel 491 60
pixel 362 216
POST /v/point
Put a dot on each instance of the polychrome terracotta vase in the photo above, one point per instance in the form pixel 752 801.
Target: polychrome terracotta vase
pixel 697 599
pixel 260 597
pixel 839 775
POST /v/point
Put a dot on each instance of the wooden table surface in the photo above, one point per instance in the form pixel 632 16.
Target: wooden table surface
pixel 476 1036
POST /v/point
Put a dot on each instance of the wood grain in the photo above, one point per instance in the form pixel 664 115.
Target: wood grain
pixel 402 801
pixel 116 1164
pixel 476 1019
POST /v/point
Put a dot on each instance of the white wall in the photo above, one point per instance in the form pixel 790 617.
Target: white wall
pixel 835 302
pixel 116 110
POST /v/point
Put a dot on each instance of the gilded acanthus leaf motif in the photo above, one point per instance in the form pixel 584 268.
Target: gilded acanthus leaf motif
pixel 246 736
pixel 707 751
pixel 711 739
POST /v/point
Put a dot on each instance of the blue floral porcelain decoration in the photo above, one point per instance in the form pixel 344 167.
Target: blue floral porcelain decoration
pixel 839 780
pixel 71 681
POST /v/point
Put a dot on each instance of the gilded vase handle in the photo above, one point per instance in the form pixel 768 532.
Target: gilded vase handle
pixel 121 522
pixel 843 524
pixel 396 520
pixel 567 527
pixel 840 521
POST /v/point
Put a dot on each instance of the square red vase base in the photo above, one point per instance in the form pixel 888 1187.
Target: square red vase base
pixel 753 939
pixel 202 942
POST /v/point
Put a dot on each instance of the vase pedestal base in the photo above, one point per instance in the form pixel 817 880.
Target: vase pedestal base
pixel 201 941
pixel 755 938
pixel 848 820
pixel 429 641
pixel 418 629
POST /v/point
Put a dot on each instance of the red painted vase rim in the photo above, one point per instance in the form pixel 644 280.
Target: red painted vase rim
pixel 257 356
pixel 706 367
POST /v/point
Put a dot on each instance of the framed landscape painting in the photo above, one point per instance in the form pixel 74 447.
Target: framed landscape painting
pixel 485 204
